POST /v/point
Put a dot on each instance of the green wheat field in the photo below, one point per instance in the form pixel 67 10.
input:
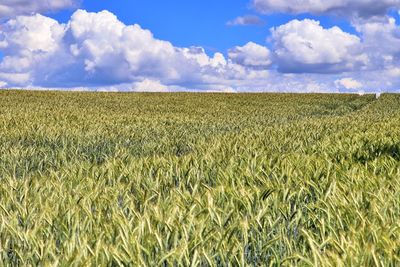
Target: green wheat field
pixel 103 179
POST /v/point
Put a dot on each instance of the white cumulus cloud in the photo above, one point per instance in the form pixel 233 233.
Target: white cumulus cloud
pixel 11 8
pixel 27 42
pixel 353 8
pixel 381 41
pixel 305 46
pixel 348 83
pixel 251 55
pixel 148 85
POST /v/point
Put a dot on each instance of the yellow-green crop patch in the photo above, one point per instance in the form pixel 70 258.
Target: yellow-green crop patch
pixel 102 179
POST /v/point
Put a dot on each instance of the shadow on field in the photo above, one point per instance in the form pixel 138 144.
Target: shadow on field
pixel 370 152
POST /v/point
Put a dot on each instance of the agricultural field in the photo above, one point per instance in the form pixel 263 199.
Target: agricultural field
pixel 119 179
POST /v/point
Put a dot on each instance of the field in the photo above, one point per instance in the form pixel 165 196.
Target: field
pixel 101 179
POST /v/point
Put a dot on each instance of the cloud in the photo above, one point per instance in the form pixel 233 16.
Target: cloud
pixel 11 8
pixel 306 47
pixel 251 55
pixel 381 41
pixel 148 85
pixel 349 8
pixel 246 21
pixel 348 83
pixel 108 51
pixel 394 72
pixel 26 43
pixel 96 51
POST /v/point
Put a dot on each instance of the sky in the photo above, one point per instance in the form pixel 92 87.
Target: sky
pixel 224 46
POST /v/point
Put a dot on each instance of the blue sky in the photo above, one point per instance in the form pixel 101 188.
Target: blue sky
pixel 199 23
pixel 184 23
pixel 241 45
